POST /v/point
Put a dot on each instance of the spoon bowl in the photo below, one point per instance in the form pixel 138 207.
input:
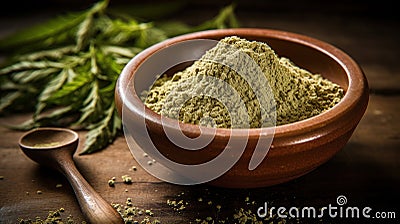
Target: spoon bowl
pixel 54 148
pixel 47 146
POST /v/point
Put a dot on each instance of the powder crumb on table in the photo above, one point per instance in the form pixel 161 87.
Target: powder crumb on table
pixel 55 217
pixel 127 179
pixel 135 215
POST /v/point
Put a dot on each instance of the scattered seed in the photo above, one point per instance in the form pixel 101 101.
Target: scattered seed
pixel 127 179
pixel 59 185
pixel 177 205
pixel 134 168
pixel 111 183
pixel 39 192
pixel 149 212
pixel 1 177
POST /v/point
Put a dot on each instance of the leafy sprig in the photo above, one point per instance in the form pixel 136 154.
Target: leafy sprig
pixel 65 70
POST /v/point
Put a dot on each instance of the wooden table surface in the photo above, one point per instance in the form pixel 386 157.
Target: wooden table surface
pixel 366 171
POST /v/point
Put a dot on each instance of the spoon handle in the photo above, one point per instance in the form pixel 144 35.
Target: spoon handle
pixel 93 206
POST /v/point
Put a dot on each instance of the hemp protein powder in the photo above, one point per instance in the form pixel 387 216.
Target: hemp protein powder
pixel 211 92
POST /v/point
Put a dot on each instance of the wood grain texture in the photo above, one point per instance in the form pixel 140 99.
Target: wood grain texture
pixel 366 171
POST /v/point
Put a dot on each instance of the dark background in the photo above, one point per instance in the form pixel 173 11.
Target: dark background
pixel 376 9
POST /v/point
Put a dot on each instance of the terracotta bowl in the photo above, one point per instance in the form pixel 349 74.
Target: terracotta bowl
pixel 297 148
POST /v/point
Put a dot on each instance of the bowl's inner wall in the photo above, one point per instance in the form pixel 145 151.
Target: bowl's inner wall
pixel 183 53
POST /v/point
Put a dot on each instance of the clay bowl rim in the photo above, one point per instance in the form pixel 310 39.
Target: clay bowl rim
pixel 357 83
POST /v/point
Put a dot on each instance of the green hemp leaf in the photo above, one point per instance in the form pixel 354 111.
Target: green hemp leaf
pixel 64 71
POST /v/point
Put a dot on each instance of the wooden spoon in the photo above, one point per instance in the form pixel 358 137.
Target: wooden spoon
pixel 54 147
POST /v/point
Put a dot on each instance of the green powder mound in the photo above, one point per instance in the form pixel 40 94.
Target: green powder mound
pixel 241 84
